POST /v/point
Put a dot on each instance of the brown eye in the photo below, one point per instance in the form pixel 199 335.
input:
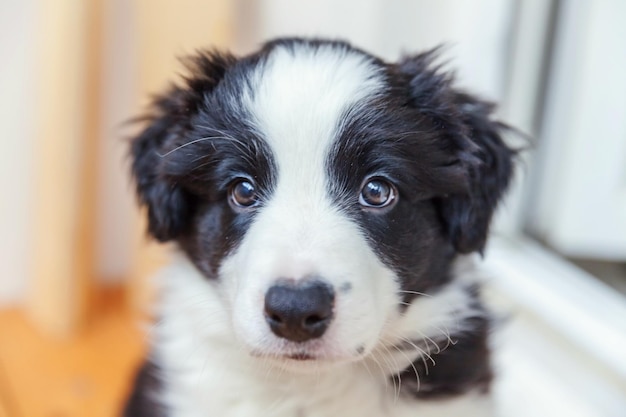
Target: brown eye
pixel 243 194
pixel 377 193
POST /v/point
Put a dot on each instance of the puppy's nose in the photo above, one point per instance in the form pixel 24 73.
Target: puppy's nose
pixel 299 312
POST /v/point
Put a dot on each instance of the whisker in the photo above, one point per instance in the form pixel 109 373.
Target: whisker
pixel 364 363
pixel 426 337
pixel 392 366
pixel 382 371
pixel 446 333
pixel 415 293
pixel 423 355
pixel 412 366
pixel 239 143
pixel 184 145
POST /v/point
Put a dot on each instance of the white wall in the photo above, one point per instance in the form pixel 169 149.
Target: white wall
pixel 18 113
pixel 115 229
pixel 579 177
pixel 476 32
pixel 17 109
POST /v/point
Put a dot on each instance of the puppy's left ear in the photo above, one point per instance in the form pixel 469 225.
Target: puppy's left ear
pixel 480 161
pixel 488 167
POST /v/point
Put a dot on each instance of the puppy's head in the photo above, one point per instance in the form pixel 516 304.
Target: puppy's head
pixel 319 189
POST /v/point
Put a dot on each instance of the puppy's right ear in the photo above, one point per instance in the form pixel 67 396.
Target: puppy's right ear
pixel 168 205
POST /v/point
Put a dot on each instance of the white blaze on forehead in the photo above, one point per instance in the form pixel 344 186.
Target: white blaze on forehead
pixel 298 100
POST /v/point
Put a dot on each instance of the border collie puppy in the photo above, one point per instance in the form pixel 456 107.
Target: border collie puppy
pixel 324 204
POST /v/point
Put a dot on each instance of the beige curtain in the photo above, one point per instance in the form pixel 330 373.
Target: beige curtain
pixel 74 93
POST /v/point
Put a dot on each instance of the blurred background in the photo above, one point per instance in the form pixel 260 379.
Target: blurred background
pixel 75 261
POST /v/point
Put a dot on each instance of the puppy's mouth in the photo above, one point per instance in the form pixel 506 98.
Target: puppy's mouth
pixel 301 356
pixel 296 356
pixel 308 354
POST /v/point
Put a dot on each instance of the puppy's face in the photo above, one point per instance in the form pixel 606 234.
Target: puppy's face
pixel 320 189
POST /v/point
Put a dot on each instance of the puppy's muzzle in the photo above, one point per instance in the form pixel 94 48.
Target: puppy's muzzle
pixel 299 311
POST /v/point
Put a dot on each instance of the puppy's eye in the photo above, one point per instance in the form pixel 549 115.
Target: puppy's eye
pixel 377 193
pixel 243 194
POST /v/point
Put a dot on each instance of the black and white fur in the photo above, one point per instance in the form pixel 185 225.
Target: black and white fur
pixel 310 124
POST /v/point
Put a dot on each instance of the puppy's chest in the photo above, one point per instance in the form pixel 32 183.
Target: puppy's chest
pixel 245 393
pixel 220 389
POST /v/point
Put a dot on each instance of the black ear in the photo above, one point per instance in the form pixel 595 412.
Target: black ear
pixel 168 205
pixel 468 216
pixel 478 151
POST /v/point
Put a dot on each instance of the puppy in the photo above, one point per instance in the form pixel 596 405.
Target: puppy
pixel 324 205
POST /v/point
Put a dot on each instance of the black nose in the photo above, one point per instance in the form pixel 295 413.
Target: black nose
pixel 299 312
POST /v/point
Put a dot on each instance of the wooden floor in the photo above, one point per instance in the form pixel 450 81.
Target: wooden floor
pixel 87 376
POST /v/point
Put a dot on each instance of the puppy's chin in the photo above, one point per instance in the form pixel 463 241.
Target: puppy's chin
pixel 304 361
pixel 301 364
